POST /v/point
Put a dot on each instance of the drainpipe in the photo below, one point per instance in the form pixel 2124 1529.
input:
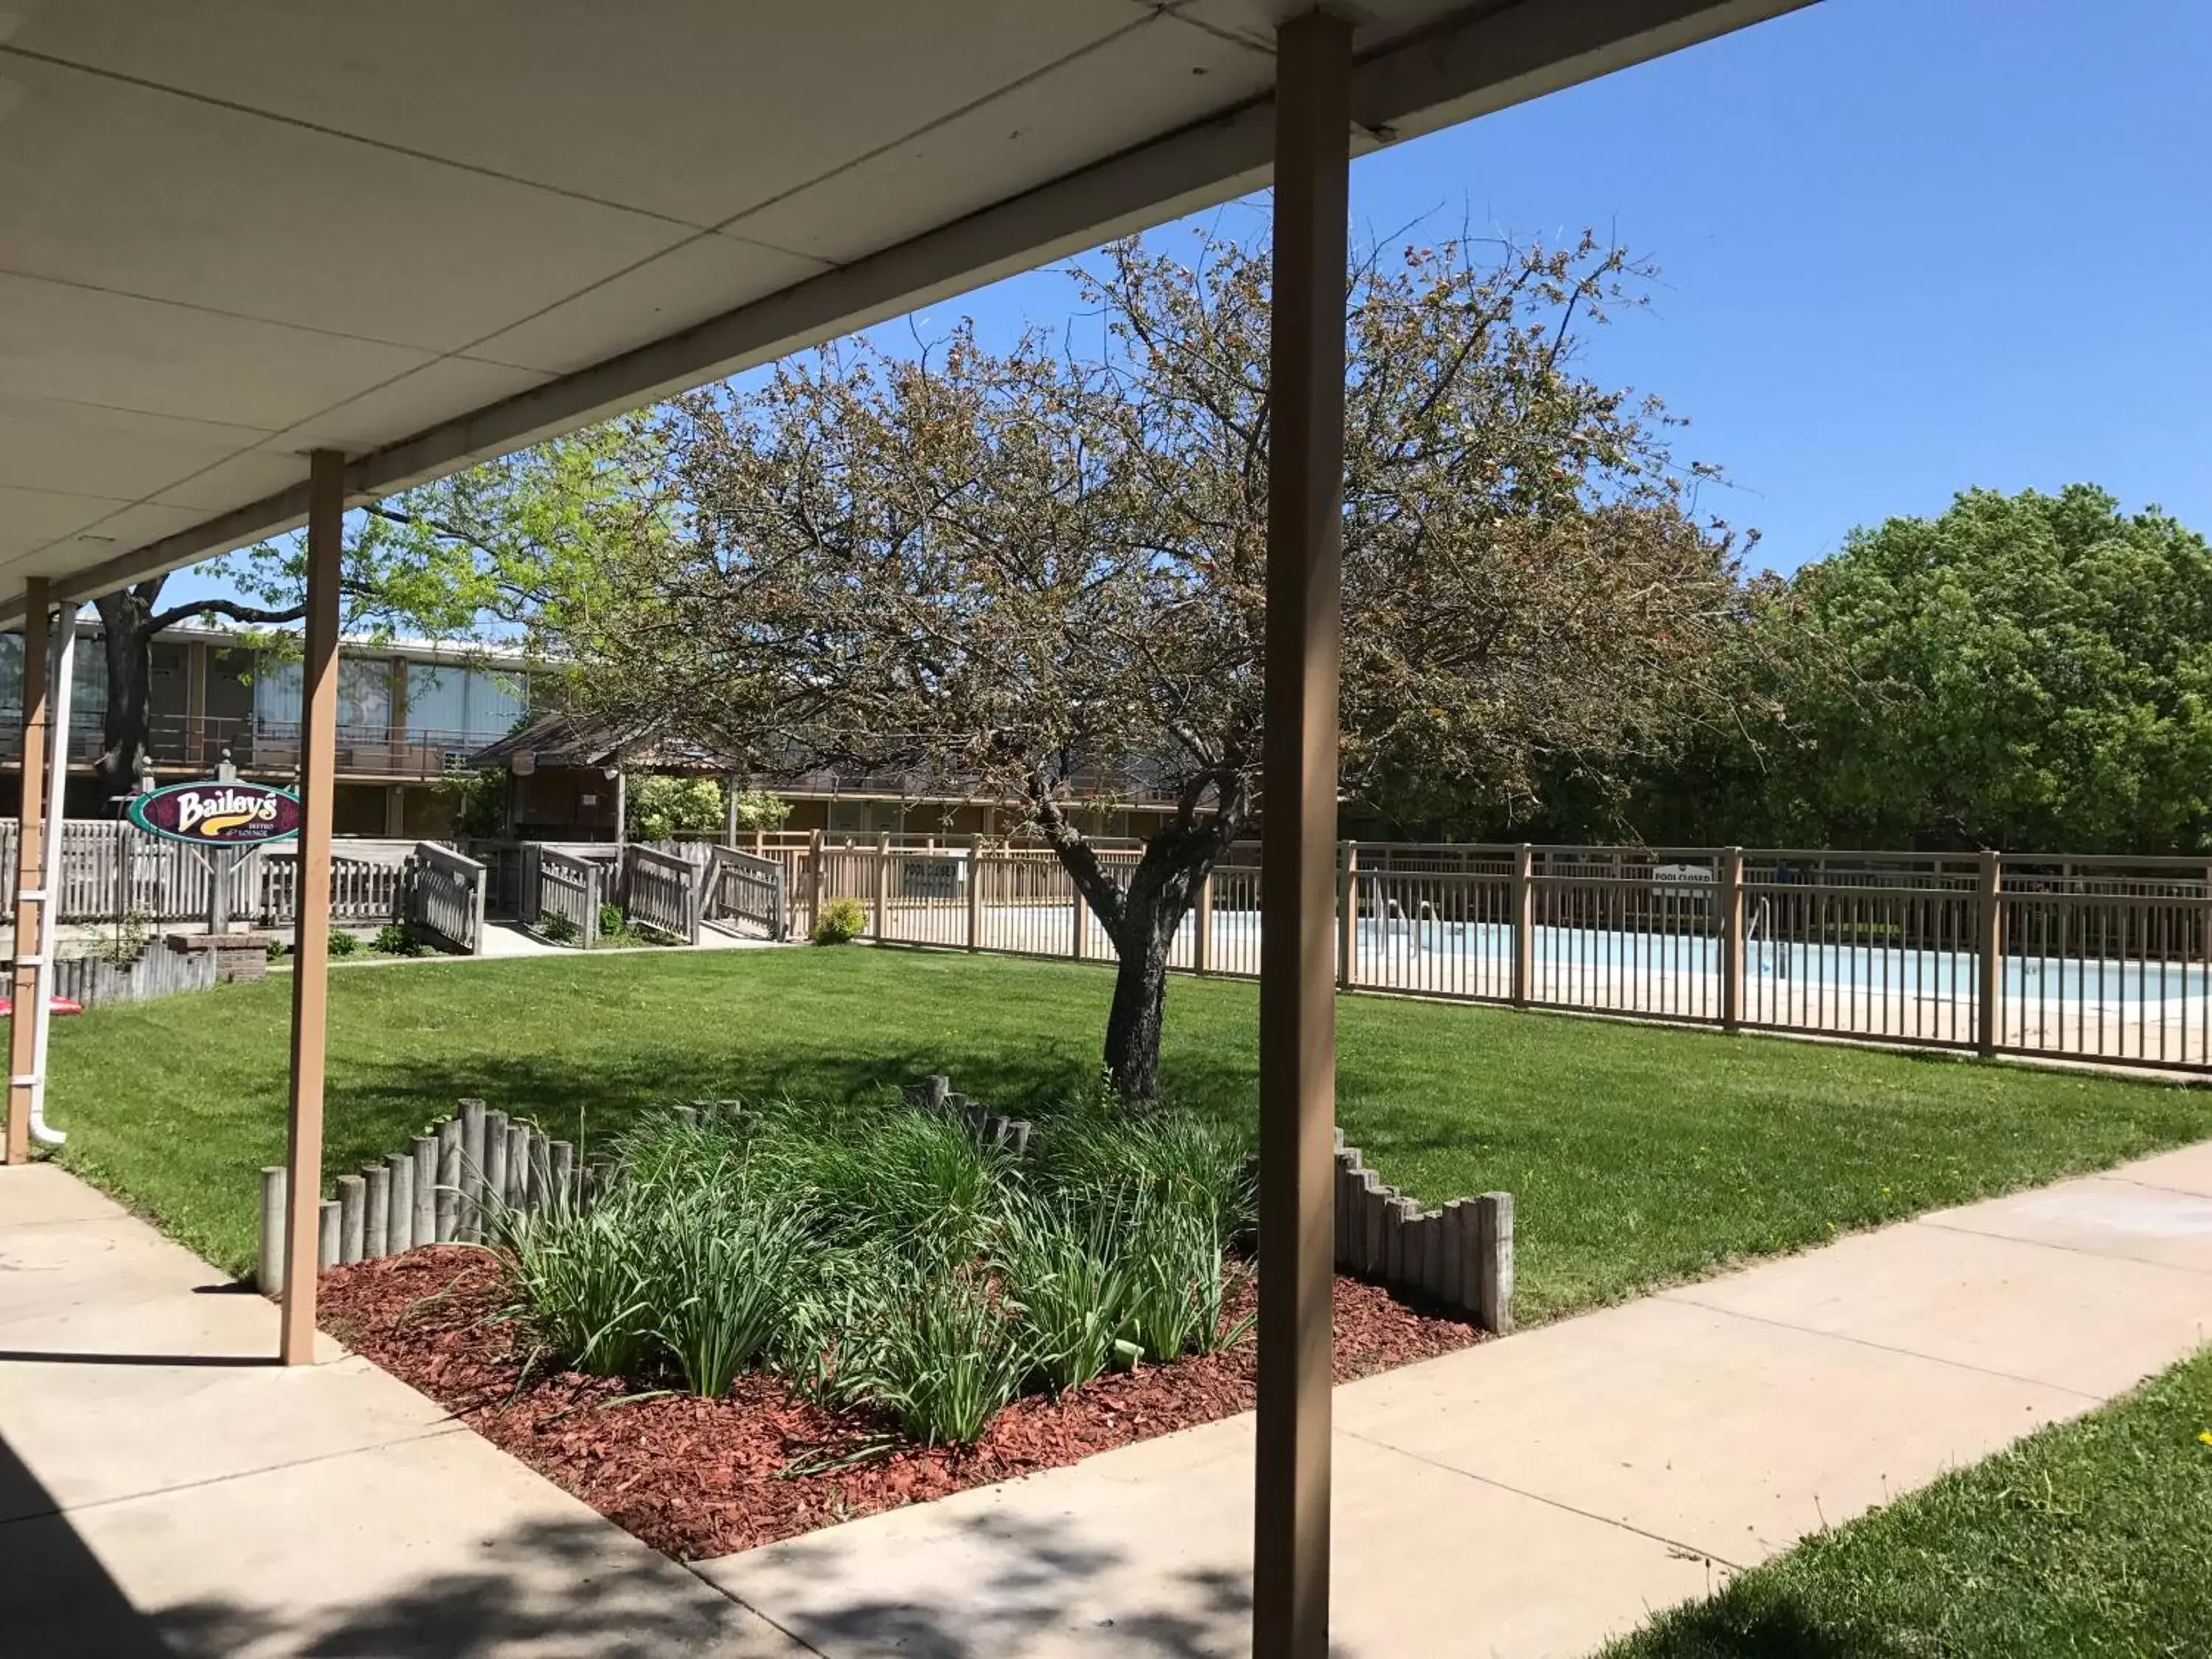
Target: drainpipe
pixel 49 878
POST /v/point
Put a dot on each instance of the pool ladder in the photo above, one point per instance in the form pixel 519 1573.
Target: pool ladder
pixel 1761 927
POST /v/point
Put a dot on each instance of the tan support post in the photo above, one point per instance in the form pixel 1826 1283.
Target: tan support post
pixel 1524 924
pixel 1990 948
pixel 814 880
pixel 1298 873
pixel 30 863
pixel 883 882
pixel 319 674
pixel 1732 939
pixel 974 892
pixel 1348 913
pixel 729 811
pixel 1202 945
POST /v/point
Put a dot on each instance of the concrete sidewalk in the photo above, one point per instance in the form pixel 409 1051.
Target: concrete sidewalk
pixel 166 1490
pixel 1534 1496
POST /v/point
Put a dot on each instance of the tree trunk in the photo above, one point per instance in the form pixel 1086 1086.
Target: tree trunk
pixel 126 620
pixel 1140 1002
pixel 1141 917
pixel 1142 922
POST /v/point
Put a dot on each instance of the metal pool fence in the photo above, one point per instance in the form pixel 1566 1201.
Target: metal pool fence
pixel 2097 958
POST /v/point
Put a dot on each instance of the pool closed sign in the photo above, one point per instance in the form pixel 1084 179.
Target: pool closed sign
pixel 219 814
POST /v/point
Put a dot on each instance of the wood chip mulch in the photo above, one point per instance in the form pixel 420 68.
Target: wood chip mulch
pixel 698 1478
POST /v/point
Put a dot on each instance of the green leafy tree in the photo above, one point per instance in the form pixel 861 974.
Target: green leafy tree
pixel 1041 573
pixel 661 807
pixel 2034 672
pixel 504 546
pixel 761 809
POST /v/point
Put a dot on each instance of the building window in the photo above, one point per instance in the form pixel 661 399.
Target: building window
pixel 364 695
pixel 466 708
pixel 88 682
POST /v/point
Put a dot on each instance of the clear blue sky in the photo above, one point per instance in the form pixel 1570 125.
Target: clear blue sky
pixel 1906 246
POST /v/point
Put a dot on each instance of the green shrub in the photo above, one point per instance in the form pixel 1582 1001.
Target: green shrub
pixel 943 1356
pixel 725 1264
pixel 1182 1161
pixel 1178 1277
pixel 613 923
pixel 343 943
pixel 393 940
pixel 660 806
pixel 582 1278
pixel 277 948
pixel 876 1255
pixel 1062 1268
pixel 559 929
pixel 916 1180
pixel 841 921
pixel 759 809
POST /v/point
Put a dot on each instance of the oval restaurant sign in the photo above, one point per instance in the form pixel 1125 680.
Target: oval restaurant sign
pixel 219 814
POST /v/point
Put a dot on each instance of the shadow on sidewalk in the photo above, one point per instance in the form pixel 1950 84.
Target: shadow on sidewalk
pixel 543 1587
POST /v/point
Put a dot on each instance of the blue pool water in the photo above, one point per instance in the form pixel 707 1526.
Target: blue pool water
pixel 1867 967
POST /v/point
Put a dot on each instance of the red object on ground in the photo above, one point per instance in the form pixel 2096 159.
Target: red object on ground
pixel 57 1004
pixel 700 1478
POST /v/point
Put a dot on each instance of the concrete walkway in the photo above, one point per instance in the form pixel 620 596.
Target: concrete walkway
pixel 512 939
pixel 164 1490
pixel 1534 1496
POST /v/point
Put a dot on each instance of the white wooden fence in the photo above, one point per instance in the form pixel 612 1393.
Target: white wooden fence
pixel 115 872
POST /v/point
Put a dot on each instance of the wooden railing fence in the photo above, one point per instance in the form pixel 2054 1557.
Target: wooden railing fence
pixel 560 886
pixel 661 890
pixel 744 890
pixel 2102 958
pixel 444 898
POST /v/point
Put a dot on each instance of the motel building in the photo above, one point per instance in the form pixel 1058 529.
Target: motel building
pixel 416 717
pixel 410 713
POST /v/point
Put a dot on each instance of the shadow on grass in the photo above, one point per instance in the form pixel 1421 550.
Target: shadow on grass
pixel 1753 1618
pixel 586 1099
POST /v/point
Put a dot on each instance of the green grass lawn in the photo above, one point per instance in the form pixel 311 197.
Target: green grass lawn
pixel 2090 1539
pixel 1637 1155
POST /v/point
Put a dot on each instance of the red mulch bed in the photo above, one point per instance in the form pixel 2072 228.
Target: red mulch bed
pixel 698 1478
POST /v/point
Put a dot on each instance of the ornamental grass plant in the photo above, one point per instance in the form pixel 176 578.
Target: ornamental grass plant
pixel 878 1255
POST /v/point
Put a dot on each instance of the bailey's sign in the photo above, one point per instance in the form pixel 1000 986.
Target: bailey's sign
pixel 219 814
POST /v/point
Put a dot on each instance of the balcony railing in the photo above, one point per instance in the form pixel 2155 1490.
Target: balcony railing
pixel 268 748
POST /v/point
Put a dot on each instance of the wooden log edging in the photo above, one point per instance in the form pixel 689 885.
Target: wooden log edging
pixel 1461 1256
pixel 427 1193
pixel 990 1128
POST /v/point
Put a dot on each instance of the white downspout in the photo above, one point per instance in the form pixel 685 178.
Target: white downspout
pixel 50 877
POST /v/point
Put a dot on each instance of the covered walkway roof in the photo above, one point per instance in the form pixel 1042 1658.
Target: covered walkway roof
pixel 403 236
pixel 231 233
